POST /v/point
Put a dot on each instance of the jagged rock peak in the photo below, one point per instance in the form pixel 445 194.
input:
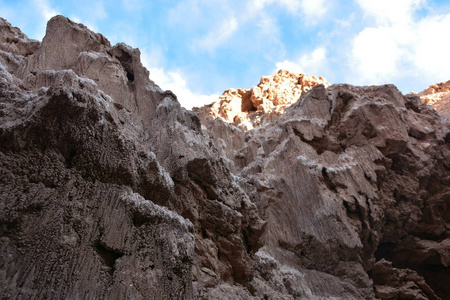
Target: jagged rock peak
pixel 110 190
pixel 246 107
pixel 438 96
pixel 116 70
pixel 111 172
pixel 349 180
pixel 14 41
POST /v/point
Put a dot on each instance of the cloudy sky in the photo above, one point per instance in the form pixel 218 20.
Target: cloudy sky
pixel 199 48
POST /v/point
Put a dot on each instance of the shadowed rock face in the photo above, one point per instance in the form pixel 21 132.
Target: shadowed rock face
pixel 109 189
pixel 353 183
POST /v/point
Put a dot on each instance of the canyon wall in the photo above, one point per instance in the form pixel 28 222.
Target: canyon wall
pixel 293 189
pixel 438 96
pixel 354 184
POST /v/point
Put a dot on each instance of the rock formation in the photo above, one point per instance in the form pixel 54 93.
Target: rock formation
pixel 250 108
pixel 438 96
pixel 108 187
pixel 354 184
pixel 110 190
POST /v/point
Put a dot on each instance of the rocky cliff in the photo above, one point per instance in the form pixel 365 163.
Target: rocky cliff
pixel 109 189
pixel 248 108
pixel 353 183
pixel 438 96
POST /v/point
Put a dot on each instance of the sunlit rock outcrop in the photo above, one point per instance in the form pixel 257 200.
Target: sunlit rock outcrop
pixel 438 96
pixel 353 183
pixel 293 189
pixel 248 108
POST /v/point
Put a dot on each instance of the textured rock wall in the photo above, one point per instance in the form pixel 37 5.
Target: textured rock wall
pixel 262 103
pixel 109 189
pixel 438 96
pixel 354 185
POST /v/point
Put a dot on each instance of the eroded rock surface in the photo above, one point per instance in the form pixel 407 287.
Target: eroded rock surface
pixel 110 190
pixel 353 183
pixel 248 108
pixel 438 96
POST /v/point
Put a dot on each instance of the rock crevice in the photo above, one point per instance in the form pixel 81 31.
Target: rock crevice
pixel 294 189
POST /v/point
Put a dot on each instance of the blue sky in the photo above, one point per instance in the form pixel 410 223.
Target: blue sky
pixel 199 48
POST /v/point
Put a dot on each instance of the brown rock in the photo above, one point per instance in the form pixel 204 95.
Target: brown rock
pixel 109 189
pixel 343 178
pixel 246 108
pixel 12 40
pixel 438 96
pixel 393 283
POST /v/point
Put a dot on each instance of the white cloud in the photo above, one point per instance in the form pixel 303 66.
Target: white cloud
pixel 46 10
pixel 291 5
pixel 268 27
pixel 376 54
pixel 400 46
pixel 174 81
pixel 310 8
pixel 257 5
pixel 289 66
pixel 255 11
pixel 387 12
pixel 88 24
pixel 47 13
pixel 88 16
pixel 219 35
pixel 432 48
pixel 313 8
pixel 313 63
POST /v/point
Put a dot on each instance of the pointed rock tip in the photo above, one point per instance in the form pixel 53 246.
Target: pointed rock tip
pixel 60 23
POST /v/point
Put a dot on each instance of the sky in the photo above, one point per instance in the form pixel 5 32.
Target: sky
pixel 199 48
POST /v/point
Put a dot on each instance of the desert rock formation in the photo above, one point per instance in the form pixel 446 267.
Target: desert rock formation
pixel 438 96
pixel 248 108
pixel 108 187
pixel 354 184
pixel 110 190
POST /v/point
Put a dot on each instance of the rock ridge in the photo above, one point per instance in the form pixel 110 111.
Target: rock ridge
pixel 358 180
pixel 108 187
pixel 438 96
pixel 249 108
pixel 295 189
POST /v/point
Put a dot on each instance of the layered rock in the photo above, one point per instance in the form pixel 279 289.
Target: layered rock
pixel 248 108
pixel 109 189
pixel 438 96
pixel 354 183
